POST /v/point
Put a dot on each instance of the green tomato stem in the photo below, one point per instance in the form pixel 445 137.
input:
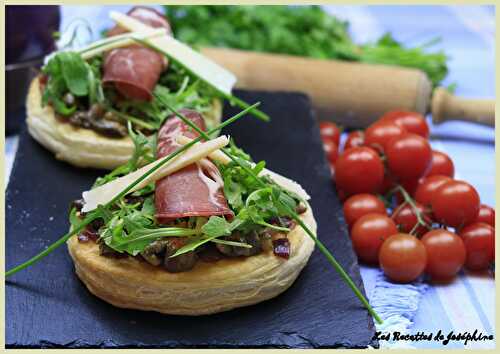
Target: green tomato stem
pixel 408 199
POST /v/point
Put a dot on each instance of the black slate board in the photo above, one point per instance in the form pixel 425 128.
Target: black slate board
pixel 47 306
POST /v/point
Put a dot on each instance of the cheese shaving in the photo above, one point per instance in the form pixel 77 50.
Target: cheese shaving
pixel 285 182
pixel 217 155
pixel 105 193
pixel 206 69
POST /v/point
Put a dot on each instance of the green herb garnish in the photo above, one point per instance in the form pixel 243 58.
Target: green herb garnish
pixel 296 30
pixel 68 73
pixel 284 206
pixel 103 211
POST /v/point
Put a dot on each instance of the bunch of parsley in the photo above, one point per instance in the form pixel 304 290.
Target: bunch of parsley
pixel 295 30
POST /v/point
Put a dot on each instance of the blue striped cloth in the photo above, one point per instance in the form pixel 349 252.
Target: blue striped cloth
pixel 468 34
pixel 468 37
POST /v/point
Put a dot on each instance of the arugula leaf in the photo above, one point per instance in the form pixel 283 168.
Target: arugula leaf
pixel 75 72
pixel 136 241
pixel 74 220
pixel 144 152
pixel 216 226
pixel 68 72
pixel 191 246
pixel 176 87
pixel 148 207
pixel 231 243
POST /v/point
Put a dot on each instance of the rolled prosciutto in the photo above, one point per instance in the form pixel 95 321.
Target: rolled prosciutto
pixel 196 190
pixel 135 70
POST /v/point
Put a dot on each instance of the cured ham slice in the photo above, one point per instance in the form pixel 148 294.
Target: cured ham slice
pixel 196 190
pixel 146 15
pixel 135 70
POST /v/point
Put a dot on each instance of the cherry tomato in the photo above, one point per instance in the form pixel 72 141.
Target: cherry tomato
pixel 359 170
pixel 406 219
pixel 368 233
pixel 408 156
pixel 362 204
pixel 441 165
pixel 331 150
pixel 479 240
pixel 379 134
pixel 455 204
pixel 403 258
pixel 356 138
pixel 329 131
pixel 427 187
pixel 445 254
pixel 486 215
pixel 413 122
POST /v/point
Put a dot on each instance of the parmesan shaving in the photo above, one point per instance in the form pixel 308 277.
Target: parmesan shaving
pixel 287 183
pixel 217 155
pixel 105 193
pixel 214 74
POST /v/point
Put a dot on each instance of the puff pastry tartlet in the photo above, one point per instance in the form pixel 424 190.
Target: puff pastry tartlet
pixel 79 146
pixel 207 288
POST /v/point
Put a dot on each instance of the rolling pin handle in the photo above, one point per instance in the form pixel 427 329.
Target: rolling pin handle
pixel 446 106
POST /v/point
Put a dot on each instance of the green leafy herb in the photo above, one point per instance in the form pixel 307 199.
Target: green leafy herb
pixel 67 72
pixel 177 87
pixel 105 212
pixel 144 152
pixel 74 220
pixel 75 72
pixel 263 182
pixel 296 30
pixel 231 243
pixel 102 211
pixel 216 227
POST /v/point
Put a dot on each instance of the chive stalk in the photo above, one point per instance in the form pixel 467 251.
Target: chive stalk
pixel 93 215
pixel 232 99
pixel 329 256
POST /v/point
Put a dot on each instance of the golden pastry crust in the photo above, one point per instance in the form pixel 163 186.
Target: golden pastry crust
pixel 207 288
pixel 79 146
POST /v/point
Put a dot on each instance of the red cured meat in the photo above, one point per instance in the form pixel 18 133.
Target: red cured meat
pixel 196 190
pixel 135 70
pixel 146 15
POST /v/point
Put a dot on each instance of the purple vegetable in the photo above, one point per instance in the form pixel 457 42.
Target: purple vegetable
pixel 281 248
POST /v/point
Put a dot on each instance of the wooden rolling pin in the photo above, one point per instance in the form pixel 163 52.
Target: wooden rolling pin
pixel 351 94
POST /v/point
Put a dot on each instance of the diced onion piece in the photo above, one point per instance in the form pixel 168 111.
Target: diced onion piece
pixel 106 192
pixel 203 67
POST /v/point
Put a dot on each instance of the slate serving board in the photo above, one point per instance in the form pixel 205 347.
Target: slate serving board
pixel 47 306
